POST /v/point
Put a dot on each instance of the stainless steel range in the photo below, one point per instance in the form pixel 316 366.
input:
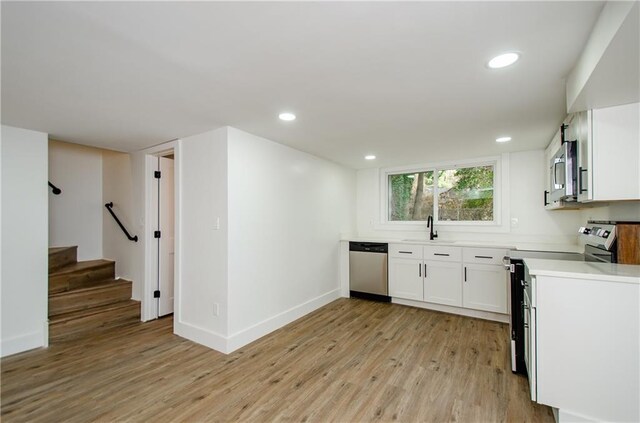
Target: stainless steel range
pixel 599 239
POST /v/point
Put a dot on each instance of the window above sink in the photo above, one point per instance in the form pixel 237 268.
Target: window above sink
pixel 461 193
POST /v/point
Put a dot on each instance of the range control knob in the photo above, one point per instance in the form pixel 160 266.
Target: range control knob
pixel 584 230
pixel 605 234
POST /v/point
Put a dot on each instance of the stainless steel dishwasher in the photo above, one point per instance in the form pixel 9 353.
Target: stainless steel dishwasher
pixel 368 277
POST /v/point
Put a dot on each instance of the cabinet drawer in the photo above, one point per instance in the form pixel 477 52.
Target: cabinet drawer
pixel 484 255
pixel 405 251
pixel 442 253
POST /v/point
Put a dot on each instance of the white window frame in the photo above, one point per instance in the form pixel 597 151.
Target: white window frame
pixel 500 196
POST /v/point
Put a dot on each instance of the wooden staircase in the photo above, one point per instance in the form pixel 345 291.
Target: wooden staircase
pixel 85 297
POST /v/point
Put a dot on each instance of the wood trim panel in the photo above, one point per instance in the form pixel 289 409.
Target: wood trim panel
pixel 628 243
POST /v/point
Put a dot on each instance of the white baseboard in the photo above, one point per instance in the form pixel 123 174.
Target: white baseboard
pixel 200 335
pixel 26 342
pixel 238 340
pixel 486 315
pixel 565 416
pixel 250 334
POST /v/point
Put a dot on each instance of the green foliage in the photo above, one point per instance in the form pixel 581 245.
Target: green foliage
pixel 463 194
pixel 400 196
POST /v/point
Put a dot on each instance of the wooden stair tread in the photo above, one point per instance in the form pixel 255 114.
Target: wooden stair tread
pixel 65 317
pixel 81 266
pixel 107 283
pixel 54 250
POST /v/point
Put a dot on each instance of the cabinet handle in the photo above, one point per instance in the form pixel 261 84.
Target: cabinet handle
pixel 441 254
pixel 580 170
pixel 546 202
pixel 405 252
pixel 425 270
pixel 420 269
pixel 484 257
pixel 465 273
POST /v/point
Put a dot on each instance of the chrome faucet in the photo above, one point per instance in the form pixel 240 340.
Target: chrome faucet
pixel 432 234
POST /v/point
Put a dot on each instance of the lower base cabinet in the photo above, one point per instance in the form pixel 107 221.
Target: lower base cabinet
pixel 405 279
pixel 485 288
pixel 440 275
pixel 443 283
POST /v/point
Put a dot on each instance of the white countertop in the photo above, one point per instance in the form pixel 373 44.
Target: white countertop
pixel 627 273
pixel 522 246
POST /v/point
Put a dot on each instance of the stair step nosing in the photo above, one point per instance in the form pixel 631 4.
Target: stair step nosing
pixel 81 266
pixel 101 285
pixel 63 317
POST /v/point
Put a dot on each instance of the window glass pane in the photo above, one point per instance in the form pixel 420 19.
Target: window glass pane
pixel 466 194
pixel 410 196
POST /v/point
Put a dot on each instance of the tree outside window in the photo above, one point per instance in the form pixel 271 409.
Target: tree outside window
pixel 463 194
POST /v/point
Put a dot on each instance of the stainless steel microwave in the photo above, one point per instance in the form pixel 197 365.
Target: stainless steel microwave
pixel 564 173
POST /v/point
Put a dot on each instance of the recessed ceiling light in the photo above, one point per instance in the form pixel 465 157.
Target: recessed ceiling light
pixel 287 116
pixel 503 139
pixel 370 157
pixel 503 60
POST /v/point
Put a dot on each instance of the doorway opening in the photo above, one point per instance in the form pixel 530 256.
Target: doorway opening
pixel 164 233
pixel 161 281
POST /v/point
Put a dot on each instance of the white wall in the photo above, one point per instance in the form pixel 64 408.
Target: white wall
pixel 524 199
pixel 202 249
pixel 624 210
pixel 24 240
pixel 75 216
pixel 287 211
pixel 117 187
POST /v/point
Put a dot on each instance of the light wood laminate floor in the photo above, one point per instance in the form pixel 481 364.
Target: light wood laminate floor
pixel 352 360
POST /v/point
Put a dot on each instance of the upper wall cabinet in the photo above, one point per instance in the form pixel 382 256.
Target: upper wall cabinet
pixel 609 153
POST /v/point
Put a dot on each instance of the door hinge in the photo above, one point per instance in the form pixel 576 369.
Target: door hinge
pixel 156 234
pixel 156 294
pixel 157 174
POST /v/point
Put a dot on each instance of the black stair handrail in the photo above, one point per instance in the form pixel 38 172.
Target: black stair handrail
pixel 109 207
pixel 55 189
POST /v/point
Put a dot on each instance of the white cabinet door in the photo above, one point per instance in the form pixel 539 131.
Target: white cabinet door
pixel 616 153
pixel 405 279
pixel 443 282
pixel 485 287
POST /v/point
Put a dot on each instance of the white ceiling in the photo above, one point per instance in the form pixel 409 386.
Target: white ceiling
pixel 404 81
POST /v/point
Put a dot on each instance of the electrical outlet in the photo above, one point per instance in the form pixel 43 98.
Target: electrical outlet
pixel 216 309
pixel 514 222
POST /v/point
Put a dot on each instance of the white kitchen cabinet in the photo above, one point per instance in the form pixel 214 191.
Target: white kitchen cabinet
pixel 438 279
pixel 443 282
pixel 608 153
pixel 485 287
pixel 584 342
pixel 485 283
pixel 433 275
pixel 615 161
pixel 406 278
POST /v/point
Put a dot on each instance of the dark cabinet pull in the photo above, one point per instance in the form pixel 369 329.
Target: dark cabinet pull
pixel 441 254
pixel 580 171
pixel 420 269
pixel 425 270
pixel 405 252
pixel 484 257
pixel 546 194
pixel 465 273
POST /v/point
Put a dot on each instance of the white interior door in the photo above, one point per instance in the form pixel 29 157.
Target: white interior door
pixel 166 245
